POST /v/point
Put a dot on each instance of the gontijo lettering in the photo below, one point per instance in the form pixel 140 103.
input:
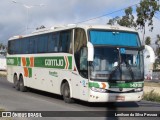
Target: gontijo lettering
pixel 54 62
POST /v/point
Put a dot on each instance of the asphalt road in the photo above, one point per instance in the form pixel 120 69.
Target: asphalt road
pixel 12 100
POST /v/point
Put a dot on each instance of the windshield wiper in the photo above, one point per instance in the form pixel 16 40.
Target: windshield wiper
pixel 112 73
pixel 117 67
pixel 130 69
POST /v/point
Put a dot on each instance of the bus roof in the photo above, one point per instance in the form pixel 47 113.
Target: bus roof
pixel 71 26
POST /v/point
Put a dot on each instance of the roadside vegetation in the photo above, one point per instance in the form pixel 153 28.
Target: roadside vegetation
pixel 1 109
pixel 152 84
pixel 152 95
pixel 3 73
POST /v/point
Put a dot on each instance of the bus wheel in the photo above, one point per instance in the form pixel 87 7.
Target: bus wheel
pixel 16 82
pixel 22 87
pixel 66 93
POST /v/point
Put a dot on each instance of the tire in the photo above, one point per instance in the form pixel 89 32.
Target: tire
pixel 21 84
pixel 16 82
pixel 66 93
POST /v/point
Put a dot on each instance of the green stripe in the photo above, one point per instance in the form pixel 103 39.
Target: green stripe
pixel 19 61
pixel 30 72
pixel 119 85
pixel 27 62
pixel 16 61
pixel 50 62
pixel 126 85
pixel 93 84
pixel 44 62
pixel 70 62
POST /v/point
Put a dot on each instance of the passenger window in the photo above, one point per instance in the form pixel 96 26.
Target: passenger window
pixel 42 43
pixel 64 42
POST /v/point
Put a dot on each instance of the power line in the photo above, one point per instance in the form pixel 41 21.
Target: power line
pixel 105 14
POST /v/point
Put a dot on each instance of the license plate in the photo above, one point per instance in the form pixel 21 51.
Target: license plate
pixel 120 98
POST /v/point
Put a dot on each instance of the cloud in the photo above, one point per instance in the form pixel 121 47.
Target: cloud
pixel 13 19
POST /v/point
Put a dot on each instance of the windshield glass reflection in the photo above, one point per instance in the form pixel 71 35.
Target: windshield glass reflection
pixel 116 64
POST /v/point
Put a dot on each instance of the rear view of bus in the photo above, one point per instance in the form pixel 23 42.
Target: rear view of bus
pixel 116 72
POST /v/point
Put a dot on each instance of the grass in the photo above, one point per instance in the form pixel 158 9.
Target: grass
pixel 152 84
pixel 152 96
pixel 3 73
pixel 1 109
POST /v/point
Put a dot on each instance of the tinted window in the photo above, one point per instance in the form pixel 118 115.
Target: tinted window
pixel 33 45
pixel 64 42
pixel 117 38
pixel 42 43
pixel 25 46
pixel 53 41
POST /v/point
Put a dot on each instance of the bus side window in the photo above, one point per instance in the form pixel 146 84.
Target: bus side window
pixel 53 42
pixel 31 45
pixel 42 43
pixel 64 41
pixel 11 47
pixel 25 46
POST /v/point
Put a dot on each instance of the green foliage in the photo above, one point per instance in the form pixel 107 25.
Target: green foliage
pixel 113 21
pixel 145 13
pixel 158 44
pixel 148 40
pixel 128 19
pixel 2 109
pixel 152 96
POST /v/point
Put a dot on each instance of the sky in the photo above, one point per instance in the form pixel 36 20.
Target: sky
pixel 15 16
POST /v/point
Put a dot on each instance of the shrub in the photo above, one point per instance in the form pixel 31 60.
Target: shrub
pixel 152 96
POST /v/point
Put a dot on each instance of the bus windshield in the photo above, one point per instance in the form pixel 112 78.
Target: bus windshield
pixel 114 38
pixel 117 61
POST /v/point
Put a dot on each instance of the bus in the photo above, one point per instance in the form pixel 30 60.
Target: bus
pixel 93 63
pixel 3 64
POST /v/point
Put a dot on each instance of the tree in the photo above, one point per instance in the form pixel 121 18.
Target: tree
pixel 148 40
pixel 128 19
pixel 157 52
pixel 145 13
pixel 113 21
pixel 157 42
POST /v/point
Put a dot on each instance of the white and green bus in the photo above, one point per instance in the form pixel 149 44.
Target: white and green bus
pixel 94 63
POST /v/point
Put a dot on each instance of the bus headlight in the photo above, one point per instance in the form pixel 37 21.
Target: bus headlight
pixel 98 90
pixel 138 89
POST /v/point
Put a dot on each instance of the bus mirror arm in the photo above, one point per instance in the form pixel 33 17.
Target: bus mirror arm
pixel 90 51
pixel 142 48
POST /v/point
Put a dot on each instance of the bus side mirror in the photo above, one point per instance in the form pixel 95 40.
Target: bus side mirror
pixel 151 53
pixel 90 51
